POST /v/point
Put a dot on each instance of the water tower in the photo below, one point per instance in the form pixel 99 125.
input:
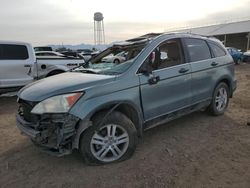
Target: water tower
pixel 99 35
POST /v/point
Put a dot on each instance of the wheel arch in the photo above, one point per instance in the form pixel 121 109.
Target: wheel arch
pixel 50 68
pixel 54 72
pixel 116 59
pixel 227 81
pixel 125 107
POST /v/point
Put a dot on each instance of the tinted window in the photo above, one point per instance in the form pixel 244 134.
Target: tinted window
pixel 197 49
pixel 165 55
pixel 13 52
pixel 217 50
pixel 42 49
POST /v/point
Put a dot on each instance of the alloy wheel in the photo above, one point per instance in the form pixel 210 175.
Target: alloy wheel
pixel 221 99
pixel 109 143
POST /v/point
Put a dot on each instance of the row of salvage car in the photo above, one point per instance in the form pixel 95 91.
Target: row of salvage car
pixel 20 64
pixel 239 56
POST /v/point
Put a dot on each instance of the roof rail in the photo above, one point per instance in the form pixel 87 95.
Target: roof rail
pixel 148 36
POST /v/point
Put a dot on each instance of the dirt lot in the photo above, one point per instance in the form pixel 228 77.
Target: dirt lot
pixel 197 150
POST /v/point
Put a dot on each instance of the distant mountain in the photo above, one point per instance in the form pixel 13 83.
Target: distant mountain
pixel 81 46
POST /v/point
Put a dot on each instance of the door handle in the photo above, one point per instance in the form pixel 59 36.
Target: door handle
pixel 214 64
pixel 154 80
pixel 27 65
pixel 183 70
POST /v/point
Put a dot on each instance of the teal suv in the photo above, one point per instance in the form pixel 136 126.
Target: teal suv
pixel 102 108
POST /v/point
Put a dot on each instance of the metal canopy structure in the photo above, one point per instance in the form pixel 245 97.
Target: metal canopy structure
pixel 224 30
pixel 220 29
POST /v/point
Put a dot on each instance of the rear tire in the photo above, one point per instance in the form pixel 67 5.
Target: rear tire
pixel 220 99
pixel 110 140
pixel 116 61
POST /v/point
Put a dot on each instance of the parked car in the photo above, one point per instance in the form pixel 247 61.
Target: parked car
pixel 88 51
pixel 236 54
pixel 88 54
pixel 117 59
pixel 19 65
pixel 49 53
pixel 43 48
pixel 102 108
pixel 72 54
pixel 246 56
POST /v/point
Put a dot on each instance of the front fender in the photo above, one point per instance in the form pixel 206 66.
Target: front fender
pixel 85 109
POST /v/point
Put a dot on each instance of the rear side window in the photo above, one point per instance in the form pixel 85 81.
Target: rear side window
pixel 13 52
pixel 197 49
pixel 217 50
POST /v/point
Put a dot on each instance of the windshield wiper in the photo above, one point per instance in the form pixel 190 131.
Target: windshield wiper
pixel 109 72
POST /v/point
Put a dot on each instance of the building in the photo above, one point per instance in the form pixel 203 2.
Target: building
pixel 233 34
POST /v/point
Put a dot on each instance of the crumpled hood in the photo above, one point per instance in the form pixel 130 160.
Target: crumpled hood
pixel 60 84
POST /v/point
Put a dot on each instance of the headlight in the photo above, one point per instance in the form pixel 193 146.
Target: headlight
pixel 56 104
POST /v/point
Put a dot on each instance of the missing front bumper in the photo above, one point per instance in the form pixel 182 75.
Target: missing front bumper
pixel 53 133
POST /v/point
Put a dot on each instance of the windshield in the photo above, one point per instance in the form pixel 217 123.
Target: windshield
pixel 114 60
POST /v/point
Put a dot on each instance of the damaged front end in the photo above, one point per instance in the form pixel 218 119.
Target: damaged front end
pixel 53 133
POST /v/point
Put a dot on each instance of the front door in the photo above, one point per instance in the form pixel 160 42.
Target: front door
pixel 167 86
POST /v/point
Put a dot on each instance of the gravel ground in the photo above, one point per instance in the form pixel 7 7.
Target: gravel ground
pixel 197 150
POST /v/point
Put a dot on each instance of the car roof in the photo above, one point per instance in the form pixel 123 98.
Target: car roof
pixel 14 42
pixel 153 36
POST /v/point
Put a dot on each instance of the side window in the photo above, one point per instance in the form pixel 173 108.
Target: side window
pixel 13 52
pixel 197 49
pixel 167 54
pixel 217 50
pixel 1 52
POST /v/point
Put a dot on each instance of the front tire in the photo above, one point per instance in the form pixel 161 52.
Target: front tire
pixel 110 140
pixel 220 99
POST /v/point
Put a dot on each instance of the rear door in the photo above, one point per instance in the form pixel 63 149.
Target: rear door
pixel 168 87
pixel 15 65
pixel 204 68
